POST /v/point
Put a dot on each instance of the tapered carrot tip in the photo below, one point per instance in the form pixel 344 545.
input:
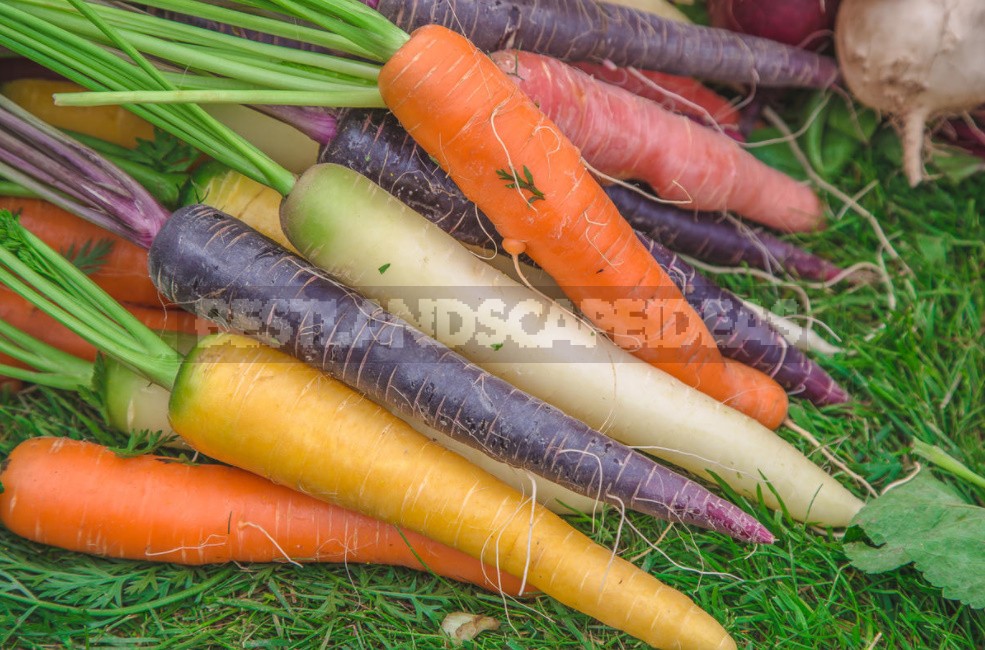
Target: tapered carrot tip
pixel 739 524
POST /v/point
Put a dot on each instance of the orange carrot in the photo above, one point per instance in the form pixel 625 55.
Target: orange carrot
pixel 111 123
pixel 25 316
pixel 626 136
pixel 82 497
pixel 123 271
pixel 515 164
pixel 677 94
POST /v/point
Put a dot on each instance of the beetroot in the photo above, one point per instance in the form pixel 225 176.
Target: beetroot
pixel 802 23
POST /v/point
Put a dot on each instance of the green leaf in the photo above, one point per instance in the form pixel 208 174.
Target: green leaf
pixel 165 153
pixel 838 131
pixel 90 256
pixel 852 120
pixel 925 522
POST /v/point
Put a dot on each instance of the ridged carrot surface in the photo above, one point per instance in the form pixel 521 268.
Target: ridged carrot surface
pixel 515 164
pixel 675 93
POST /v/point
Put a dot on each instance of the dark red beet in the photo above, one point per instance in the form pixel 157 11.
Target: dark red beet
pixel 802 23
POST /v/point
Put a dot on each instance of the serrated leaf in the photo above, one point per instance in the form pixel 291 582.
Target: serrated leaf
pixel 165 153
pixel 90 256
pixel 872 559
pixel 925 522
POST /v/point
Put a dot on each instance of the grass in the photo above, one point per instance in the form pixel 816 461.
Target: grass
pixel 916 371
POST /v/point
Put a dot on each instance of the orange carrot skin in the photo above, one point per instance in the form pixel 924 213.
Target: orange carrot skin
pixel 82 497
pixel 475 121
pixel 691 90
pixel 123 273
pixel 627 136
pixel 25 316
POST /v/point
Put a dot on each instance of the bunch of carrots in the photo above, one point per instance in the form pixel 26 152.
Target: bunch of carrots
pixel 507 150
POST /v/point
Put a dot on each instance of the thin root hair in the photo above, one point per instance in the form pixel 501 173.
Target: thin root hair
pixel 263 531
pixel 682 567
pixel 712 123
pixel 834 460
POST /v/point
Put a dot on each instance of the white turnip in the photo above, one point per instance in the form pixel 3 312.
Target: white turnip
pixel 914 59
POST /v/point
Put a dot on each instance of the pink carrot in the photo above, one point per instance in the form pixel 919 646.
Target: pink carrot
pixel 625 136
pixel 677 94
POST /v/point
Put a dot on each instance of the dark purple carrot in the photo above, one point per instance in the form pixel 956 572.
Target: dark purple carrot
pixel 744 336
pixel 374 144
pixel 715 238
pixel 588 30
pixel 220 268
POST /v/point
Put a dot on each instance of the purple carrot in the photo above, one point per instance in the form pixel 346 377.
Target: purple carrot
pixel 744 336
pixel 588 30
pixel 715 238
pixel 210 263
pixel 225 271
pixel 374 144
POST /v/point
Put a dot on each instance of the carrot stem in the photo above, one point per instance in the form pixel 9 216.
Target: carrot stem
pixel 340 98
pixel 90 65
pixel 94 314
pixel 260 69
pixel 41 356
pixel 254 22
pixel 10 188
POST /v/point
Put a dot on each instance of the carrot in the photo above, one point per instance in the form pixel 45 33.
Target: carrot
pixel 259 409
pixel 208 262
pixel 589 30
pixel 631 297
pixel 675 93
pixel 122 272
pixel 111 123
pixel 131 404
pixel 375 145
pixel 517 167
pixel 24 316
pixel 626 136
pixel 525 338
pixel 717 238
pixel 82 497
pixel 229 273
pixel 409 481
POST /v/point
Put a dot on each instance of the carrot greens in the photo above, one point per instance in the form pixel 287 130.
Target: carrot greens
pixel 33 271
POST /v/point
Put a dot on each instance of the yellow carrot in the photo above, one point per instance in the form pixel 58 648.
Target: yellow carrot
pixel 258 409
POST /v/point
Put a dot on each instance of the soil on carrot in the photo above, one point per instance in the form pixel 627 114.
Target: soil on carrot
pixel 915 371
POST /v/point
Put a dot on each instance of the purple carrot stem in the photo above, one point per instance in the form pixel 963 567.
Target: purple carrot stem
pixel 73 177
